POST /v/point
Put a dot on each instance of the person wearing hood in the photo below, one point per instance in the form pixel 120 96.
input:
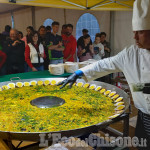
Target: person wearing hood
pixel 134 62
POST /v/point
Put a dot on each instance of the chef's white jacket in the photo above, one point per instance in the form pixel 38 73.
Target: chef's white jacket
pixel 134 62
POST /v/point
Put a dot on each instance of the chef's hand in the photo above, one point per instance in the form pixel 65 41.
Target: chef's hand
pixel 71 79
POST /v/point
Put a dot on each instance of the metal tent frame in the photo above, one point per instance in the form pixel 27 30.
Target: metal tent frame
pixel 77 4
pixel 102 3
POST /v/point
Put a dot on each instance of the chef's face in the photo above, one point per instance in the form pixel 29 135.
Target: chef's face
pixel 142 39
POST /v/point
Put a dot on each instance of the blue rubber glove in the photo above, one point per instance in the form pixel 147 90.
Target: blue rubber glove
pixel 79 73
pixel 71 79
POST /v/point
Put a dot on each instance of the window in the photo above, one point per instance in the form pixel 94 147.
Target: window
pixel 89 22
pixel 48 22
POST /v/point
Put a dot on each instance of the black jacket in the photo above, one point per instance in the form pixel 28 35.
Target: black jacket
pixel 15 54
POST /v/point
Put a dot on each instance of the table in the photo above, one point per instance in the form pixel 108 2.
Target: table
pixel 29 75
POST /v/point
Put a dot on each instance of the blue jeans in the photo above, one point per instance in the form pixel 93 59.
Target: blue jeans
pixel 26 67
pixel 57 61
pixel 3 70
pixel 41 68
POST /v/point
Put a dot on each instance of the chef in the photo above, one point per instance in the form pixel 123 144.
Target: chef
pixel 134 62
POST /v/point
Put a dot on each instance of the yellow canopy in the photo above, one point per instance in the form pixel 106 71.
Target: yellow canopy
pixel 79 4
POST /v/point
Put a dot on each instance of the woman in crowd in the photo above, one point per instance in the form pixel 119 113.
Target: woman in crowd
pixel 98 48
pixel 42 33
pixel 34 53
pixel 26 38
pixel 85 50
pixel 20 35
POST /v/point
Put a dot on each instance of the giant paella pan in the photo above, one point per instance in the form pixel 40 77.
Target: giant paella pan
pixel 71 112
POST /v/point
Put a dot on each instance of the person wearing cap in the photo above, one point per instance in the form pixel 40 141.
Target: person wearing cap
pixel 134 62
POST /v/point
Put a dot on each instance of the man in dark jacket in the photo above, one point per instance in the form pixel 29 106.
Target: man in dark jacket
pixel 14 48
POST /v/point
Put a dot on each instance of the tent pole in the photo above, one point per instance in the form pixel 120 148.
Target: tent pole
pixel 111 38
pixel 12 20
pixel 33 16
pixel 86 3
pixel 65 16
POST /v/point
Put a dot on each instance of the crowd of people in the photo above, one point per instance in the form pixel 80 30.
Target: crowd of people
pixel 37 49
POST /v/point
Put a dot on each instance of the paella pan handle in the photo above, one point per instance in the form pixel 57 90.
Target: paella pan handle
pixel 14 78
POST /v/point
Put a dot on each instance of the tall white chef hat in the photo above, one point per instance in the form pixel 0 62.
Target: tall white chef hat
pixel 141 15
